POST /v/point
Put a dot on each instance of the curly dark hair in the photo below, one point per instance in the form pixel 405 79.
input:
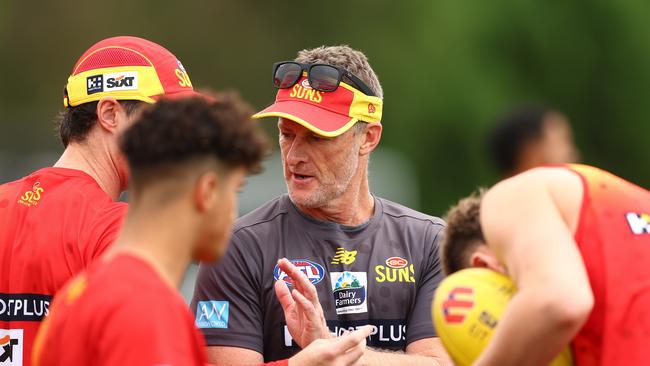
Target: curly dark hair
pixel 178 132
pixel 463 233
pixel 74 123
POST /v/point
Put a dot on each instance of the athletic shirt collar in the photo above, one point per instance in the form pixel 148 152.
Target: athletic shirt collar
pixel 334 226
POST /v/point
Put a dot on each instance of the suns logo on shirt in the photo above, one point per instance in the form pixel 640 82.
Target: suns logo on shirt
pixel 33 196
pixel 397 269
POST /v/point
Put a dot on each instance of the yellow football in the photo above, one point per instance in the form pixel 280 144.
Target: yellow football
pixel 466 309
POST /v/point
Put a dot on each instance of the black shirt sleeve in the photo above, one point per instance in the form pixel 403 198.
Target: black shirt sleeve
pixel 420 322
pixel 235 279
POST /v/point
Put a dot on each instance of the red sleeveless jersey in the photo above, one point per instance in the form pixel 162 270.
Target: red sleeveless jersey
pixel 52 224
pixel 613 236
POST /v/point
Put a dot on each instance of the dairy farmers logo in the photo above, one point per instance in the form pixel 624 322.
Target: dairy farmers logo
pixel 212 314
pixel 458 304
pixel 312 270
pixel 11 347
pixel 350 292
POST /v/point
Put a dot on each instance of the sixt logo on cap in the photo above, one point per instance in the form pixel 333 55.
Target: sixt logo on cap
pixel 312 270
pixel 116 81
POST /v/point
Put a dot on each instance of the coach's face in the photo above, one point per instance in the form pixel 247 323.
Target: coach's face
pixel 317 169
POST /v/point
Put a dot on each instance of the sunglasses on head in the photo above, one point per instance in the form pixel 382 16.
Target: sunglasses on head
pixel 323 77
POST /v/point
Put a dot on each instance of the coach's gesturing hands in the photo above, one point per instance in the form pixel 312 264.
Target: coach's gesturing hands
pixel 302 310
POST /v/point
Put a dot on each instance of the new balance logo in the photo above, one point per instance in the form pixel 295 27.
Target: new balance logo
pixel 212 314
pixel 639 223
pixel 343 256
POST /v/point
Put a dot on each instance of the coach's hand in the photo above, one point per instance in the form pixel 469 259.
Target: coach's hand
pixel 343 351
pixel 302 310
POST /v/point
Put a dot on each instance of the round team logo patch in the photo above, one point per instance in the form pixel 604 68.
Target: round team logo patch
pixel 314 271
pixel 305 84
pixel 396 262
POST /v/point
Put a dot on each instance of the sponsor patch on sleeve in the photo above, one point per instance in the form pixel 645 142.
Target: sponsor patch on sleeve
pixel 212 314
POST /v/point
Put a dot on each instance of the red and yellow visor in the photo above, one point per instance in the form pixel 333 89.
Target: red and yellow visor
pixel 328 114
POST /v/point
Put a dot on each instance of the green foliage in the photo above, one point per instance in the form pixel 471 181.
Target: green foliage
pixel 449 68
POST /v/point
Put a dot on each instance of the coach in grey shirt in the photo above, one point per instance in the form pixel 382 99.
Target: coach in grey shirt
pixel 372 261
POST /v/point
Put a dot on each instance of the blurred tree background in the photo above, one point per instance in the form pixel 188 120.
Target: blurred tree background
pixel 448 67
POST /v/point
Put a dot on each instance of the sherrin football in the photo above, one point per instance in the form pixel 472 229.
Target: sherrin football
pixel 466 310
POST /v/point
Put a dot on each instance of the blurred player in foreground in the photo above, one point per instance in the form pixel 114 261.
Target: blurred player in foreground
pixel 576 241
pixel 188 158
pixel 531 136
pixel 57 220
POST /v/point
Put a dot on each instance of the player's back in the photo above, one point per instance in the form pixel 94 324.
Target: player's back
pixel 52 224
pixel 119 312
pixel 613 235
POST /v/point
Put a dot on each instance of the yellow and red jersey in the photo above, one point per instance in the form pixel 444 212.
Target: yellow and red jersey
pixel 613 235
pixel 53 223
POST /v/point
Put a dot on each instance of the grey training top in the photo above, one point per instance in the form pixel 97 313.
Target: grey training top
pixel 382 273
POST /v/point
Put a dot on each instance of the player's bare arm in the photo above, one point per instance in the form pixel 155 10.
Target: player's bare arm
pixel 529 233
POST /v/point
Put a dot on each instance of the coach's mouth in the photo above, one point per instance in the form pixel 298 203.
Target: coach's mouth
pixel 301 178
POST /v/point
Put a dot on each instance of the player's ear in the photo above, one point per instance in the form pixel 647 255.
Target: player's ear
pixel 371 137
pixel 485 259
pixel 206 191
pixel 109 113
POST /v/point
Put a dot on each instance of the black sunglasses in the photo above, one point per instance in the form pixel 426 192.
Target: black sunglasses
pixel 323 77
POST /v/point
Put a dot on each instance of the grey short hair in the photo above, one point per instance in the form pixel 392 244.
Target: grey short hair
pixel 346 57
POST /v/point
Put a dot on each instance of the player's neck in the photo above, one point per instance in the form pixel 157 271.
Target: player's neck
pixel 355 207
pixel 162 237
pixel 96 162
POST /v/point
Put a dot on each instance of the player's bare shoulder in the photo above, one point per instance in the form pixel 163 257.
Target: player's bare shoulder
pixel 561 184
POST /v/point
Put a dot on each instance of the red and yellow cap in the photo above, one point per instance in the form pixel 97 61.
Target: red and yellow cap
pixel 126 68
pixel 328 114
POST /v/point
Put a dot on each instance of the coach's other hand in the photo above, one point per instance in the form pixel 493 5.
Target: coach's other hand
pixel 343 351
pixel 302 310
